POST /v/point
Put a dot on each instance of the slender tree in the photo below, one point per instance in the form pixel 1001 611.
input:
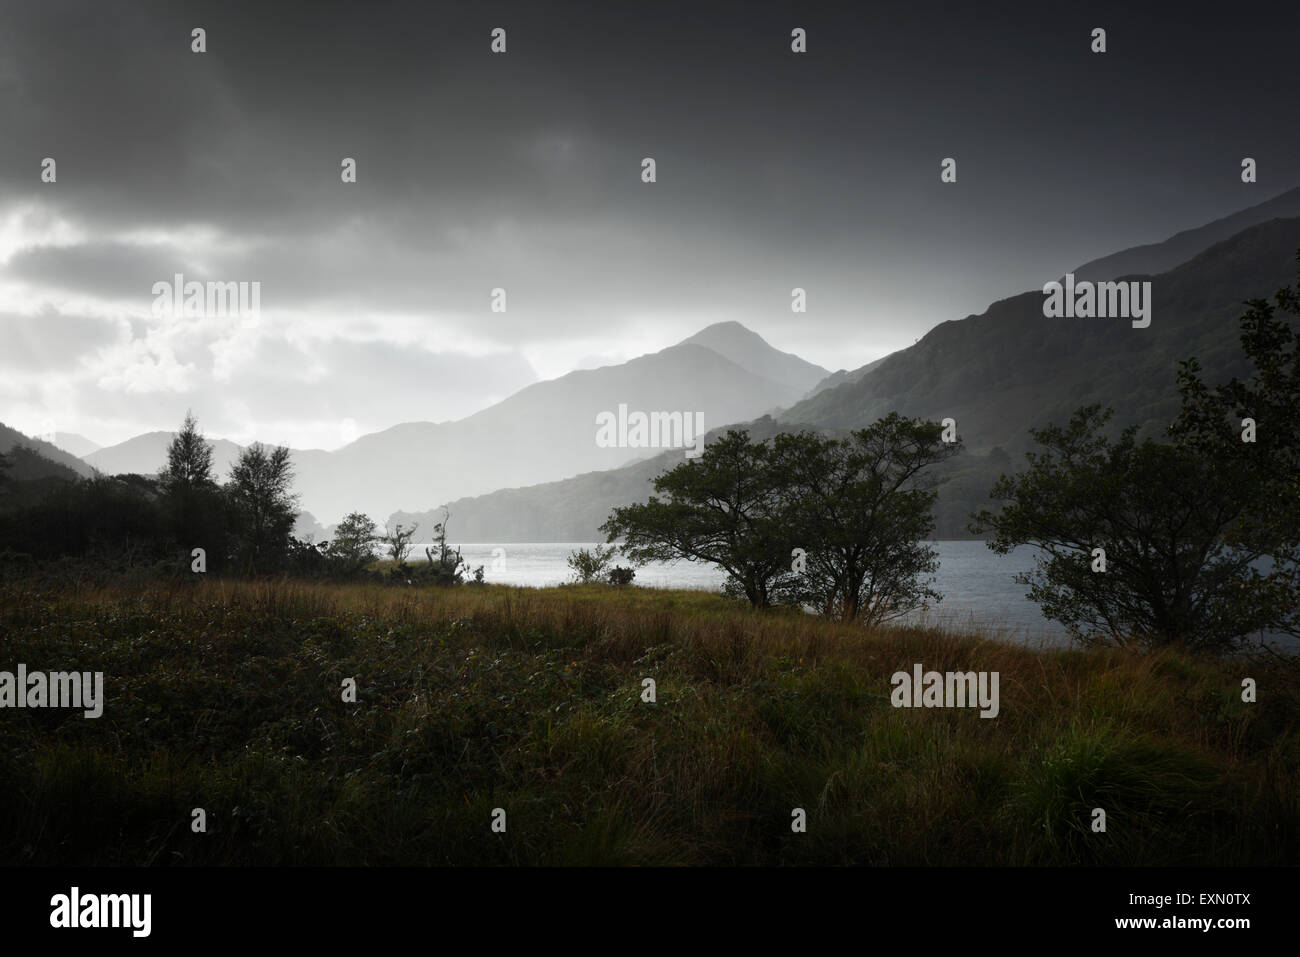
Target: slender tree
pixel 189 459
pixel 192 501
pixel 260 492
pixel 398 542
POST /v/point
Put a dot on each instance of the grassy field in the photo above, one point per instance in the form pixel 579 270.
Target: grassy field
pixel 227 696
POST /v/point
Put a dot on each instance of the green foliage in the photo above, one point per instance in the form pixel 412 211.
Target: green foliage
pixel 196 509
pixel 353 546
pixel 590 565
pixel 189 459
pixel 860 510
pixel 1159 511
pixel 1144 788
pixel 121 516
pixel 802 519
pixel 1212 423
pixel 226 695
pixel 723 508
pixel 1201 536
pixel 443 564
pixel 619 575
pixel 262 508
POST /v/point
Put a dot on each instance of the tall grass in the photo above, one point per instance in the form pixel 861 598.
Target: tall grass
pixel 227 696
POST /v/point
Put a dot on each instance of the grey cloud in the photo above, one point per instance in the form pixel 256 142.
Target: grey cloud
pixel 51 340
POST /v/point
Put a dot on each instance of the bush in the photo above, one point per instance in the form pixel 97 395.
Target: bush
pixel 589 565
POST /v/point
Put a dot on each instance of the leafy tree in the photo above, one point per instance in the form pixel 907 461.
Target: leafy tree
pixel 722 508
pixel 263 507
pixel 590 565
pixel 861 507
pixel 1263 452
pixel 116 519
pixel 193 502
pixel 1161 513
pixel 353 544
pixel 618 575
pixel 856 509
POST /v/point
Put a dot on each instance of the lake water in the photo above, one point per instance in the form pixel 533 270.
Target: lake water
pixel 977 585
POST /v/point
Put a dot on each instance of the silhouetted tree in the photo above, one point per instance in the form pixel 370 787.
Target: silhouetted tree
pixel 353 544
pixel 724 508
pixel 189 459
pixel 398 542
pixel 195 505
pixel 801 518
pixel 263 507
pixel 860 507
pixel 445 565
pixel 1160 513
pixel 1251 429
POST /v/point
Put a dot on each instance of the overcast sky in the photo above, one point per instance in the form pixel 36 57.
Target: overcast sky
pixel 523 171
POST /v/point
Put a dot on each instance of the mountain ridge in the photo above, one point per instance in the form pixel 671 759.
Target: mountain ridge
pixel 544 432
pixel 1041 369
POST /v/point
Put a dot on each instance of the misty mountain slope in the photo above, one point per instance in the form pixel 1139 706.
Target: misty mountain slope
pixel 570 510
pixel 844 376
pixel 1179 248
pixel 997 374
pixel 11 437
pixel 750 351
pixel 75 444
pixel 544 432
pixel 147 454
pixel 1010 368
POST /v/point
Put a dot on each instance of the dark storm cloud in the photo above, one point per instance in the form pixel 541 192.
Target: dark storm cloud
pixel 106 269
pixel 522 171
pixel 746 133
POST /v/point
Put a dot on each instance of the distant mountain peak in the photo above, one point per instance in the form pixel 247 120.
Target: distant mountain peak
pixel 747 349
pixel 729 332
pixel 728 326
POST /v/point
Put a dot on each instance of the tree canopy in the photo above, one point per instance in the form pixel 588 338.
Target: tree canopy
pixel 802 518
